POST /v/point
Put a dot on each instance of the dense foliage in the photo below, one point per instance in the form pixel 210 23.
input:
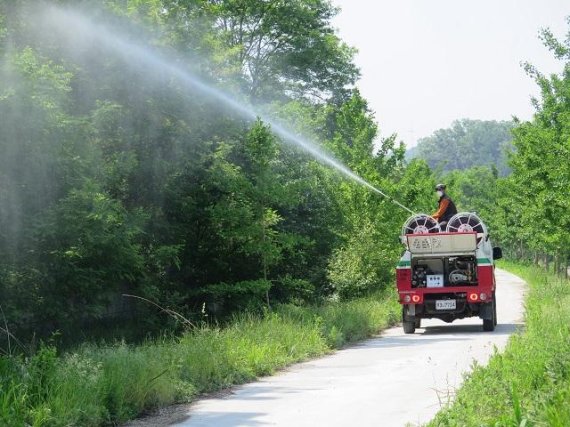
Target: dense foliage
pixel 117 178
pixel 538 201
pixel 528 210
pixel 467 143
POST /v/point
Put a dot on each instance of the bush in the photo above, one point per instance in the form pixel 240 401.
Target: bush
pixel 364 265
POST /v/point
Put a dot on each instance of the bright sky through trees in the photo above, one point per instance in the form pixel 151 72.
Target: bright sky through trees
pixel 427 63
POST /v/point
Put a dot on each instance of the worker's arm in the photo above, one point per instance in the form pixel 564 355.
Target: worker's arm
pixel 442 208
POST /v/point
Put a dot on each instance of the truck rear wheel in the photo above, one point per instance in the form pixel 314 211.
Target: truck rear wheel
pixel 495 308
pixel 409 326
pixel 408 322
pixel 489 324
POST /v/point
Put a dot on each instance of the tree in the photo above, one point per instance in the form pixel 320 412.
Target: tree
pixel 534 205
pixel 467 143
pixel 83 232
pixel 286 47
pixel 369 223
pixel 125 178
pixel 474 189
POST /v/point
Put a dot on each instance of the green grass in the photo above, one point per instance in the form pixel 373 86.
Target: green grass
pixel 98 385
pixel 529 383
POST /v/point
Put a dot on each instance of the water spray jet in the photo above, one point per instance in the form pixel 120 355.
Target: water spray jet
pixel 78 29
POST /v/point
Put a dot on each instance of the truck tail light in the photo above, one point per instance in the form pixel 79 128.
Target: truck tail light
pixel 473 297
pixel 406 298
pixel 416 298
pixel 483 296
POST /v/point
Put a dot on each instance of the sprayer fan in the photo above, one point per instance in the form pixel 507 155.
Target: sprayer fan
pixel 420 224
pixel 466 222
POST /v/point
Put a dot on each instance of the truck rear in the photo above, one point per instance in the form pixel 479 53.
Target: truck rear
pixel 447 275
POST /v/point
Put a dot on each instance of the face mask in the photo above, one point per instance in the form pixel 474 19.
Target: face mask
pixel 440 193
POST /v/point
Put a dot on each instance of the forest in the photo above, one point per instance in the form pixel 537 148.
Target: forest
pixel 466 144
pixel 117 179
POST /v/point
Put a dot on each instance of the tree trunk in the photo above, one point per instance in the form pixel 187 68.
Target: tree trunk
pixel 264 262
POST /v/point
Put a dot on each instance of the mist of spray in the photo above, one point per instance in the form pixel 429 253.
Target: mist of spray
pixel 79 29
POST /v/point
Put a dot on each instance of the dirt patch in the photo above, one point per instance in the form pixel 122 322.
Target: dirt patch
pixel 174 414
pixel 163 417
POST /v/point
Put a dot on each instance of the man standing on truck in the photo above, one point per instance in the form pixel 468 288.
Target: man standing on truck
pixel 446 208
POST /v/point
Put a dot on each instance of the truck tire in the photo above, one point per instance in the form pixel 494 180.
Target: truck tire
pixel 495 308
pixel 418 322
pixel 489 324
pixel 409 326
pixel 408 322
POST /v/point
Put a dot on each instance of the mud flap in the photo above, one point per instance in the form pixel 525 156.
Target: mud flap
pixel 486 311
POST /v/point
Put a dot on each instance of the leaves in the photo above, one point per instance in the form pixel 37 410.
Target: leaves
pixel 119 177
pixel 467 143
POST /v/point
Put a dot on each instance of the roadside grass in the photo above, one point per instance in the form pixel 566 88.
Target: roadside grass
pixel 529 383
pixel 106 385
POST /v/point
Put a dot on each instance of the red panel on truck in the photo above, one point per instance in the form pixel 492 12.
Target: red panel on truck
pixel 404 278
pixel 485 276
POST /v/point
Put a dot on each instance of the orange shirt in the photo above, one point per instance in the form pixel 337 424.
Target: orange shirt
pixel 443 204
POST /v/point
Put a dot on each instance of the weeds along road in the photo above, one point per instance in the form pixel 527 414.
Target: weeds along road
pixel 392 380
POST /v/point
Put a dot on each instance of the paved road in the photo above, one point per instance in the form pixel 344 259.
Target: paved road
pixel 392 380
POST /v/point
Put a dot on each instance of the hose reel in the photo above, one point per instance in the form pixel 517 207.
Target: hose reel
pixel 463 222
pixel 420 224
pixel 466 222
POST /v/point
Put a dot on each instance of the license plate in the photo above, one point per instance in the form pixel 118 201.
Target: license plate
pixel 445 304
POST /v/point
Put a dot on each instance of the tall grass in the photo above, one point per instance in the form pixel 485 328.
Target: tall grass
pixel 103 385
pixel 528 384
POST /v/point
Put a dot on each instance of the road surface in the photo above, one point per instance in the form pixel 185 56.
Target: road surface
pixel 392 380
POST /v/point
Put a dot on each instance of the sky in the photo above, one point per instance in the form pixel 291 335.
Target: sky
pixel 426 63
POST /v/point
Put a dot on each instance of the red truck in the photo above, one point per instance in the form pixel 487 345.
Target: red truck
pixel 447 274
